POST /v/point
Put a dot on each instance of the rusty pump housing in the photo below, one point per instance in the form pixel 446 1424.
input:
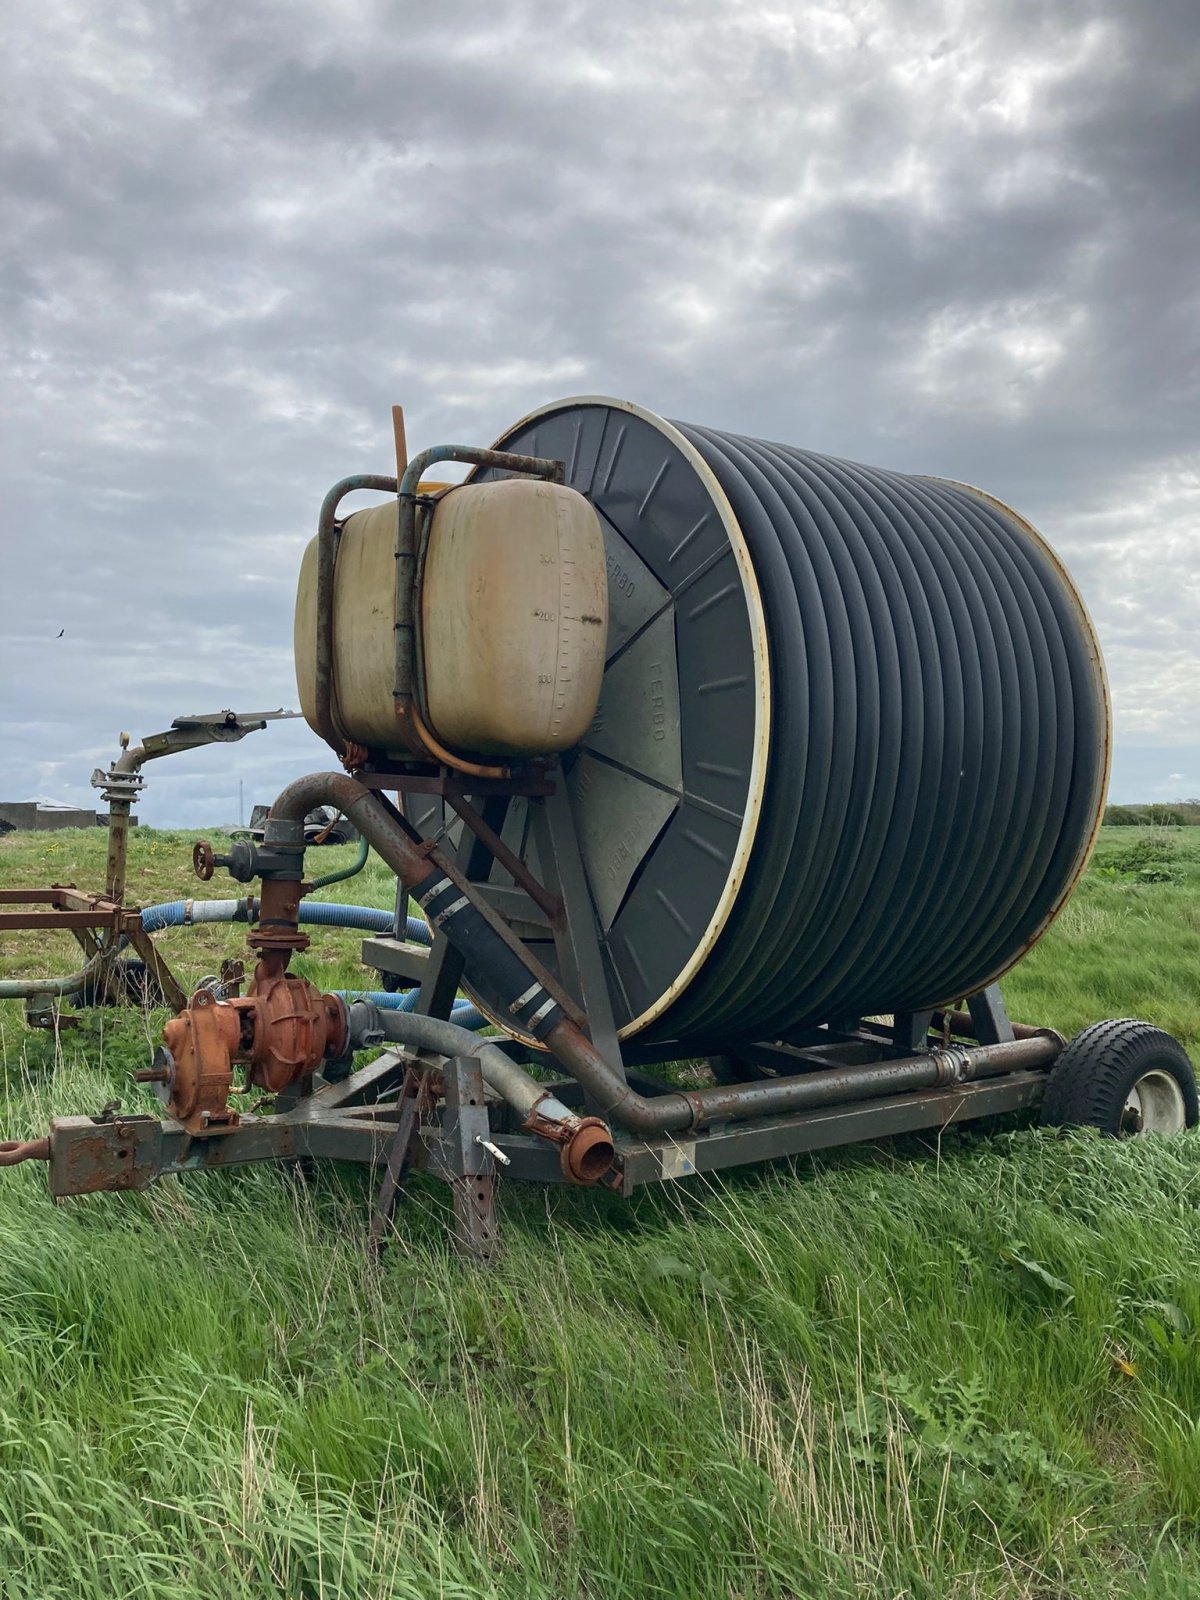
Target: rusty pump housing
pixel 282 1029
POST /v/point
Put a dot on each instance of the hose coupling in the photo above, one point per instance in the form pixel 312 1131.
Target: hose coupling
pixel 952 1065
pixel 586 1149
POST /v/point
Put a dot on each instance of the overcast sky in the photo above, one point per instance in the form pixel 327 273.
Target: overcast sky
pixel 959 238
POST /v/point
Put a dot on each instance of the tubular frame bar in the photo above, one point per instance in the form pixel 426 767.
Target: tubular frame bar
pixel 337 1122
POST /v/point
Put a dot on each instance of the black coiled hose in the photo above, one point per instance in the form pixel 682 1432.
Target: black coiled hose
pixel 938 745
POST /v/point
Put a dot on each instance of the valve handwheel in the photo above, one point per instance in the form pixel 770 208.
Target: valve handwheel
pixel 204 862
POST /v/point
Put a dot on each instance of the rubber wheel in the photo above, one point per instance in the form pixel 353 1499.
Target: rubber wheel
pixel 131 984
pixel 1124 1077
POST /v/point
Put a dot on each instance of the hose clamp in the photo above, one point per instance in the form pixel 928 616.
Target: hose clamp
pixel 952 1065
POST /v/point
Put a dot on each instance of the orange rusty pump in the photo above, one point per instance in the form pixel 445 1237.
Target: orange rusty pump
pixel 282 1029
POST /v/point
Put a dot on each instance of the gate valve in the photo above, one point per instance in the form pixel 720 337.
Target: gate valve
pixel 241 862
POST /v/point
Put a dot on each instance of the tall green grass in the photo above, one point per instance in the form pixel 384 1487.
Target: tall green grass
pixel 959 1367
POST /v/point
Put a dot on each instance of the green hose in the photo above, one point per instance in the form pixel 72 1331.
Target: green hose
pixel 355 867
pixel 27 988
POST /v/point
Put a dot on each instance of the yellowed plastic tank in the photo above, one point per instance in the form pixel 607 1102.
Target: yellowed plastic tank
pixel 513 616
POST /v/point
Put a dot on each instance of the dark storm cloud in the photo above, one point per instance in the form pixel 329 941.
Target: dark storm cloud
pixel 958 238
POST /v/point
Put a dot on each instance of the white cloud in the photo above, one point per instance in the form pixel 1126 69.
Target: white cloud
pixel 953 236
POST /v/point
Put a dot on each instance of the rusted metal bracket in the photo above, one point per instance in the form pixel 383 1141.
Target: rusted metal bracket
pixel 463 1156
pixel 508 859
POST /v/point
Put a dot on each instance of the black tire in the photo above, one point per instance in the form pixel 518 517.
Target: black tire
pixel 131 983
pixel 1095 1075
pixel 390 981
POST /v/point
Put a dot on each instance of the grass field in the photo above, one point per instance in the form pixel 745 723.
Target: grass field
pixel 956 1368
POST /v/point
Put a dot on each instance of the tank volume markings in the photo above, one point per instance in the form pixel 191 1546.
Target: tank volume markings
pixel 566 644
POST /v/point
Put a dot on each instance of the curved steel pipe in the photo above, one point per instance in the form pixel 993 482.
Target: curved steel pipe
pixel 469 932
pixel 26 988
pixel 586 1144
pixel 698 1108
pixel 326 559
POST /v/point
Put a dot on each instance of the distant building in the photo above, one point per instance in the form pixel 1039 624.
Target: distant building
pixel 28 816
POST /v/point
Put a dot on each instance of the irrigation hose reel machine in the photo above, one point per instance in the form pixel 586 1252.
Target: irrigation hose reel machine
pixel 708 750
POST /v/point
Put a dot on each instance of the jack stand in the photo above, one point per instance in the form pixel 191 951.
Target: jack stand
pixel 461 1156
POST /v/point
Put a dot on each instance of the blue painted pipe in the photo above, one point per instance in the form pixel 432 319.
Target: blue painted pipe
pixel 465 1015
pixel 322 913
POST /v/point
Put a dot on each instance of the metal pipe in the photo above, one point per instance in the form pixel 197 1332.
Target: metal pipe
pixel 473 769
pixel 511 1082
pixel 473 928
pixel 326 558
pixel 698 1108
pixel 406 539
pixel 467 930
pixel 586 1144
pixel 961 1023
pixel 355 867
pixel 25 988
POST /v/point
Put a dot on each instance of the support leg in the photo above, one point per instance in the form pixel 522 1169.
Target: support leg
pixel 911 1029
pixel 399 1159
pixel 990 1016
pixel 462 1157
pixel 159 971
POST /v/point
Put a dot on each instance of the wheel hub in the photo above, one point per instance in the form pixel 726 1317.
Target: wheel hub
pixel 1154 1104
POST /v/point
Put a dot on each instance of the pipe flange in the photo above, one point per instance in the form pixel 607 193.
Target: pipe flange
pixel 589 1152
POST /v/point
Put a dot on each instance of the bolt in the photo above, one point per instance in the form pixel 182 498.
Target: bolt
pixel 152 1075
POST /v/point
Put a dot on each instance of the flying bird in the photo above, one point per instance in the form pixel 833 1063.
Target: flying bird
pixel 61 631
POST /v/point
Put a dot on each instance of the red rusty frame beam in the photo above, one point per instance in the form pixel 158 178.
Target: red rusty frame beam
pixel 119 919
pixel 67 909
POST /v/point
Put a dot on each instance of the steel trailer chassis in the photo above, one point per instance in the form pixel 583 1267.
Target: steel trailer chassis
pixel 410 1110
pixel 402 1114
